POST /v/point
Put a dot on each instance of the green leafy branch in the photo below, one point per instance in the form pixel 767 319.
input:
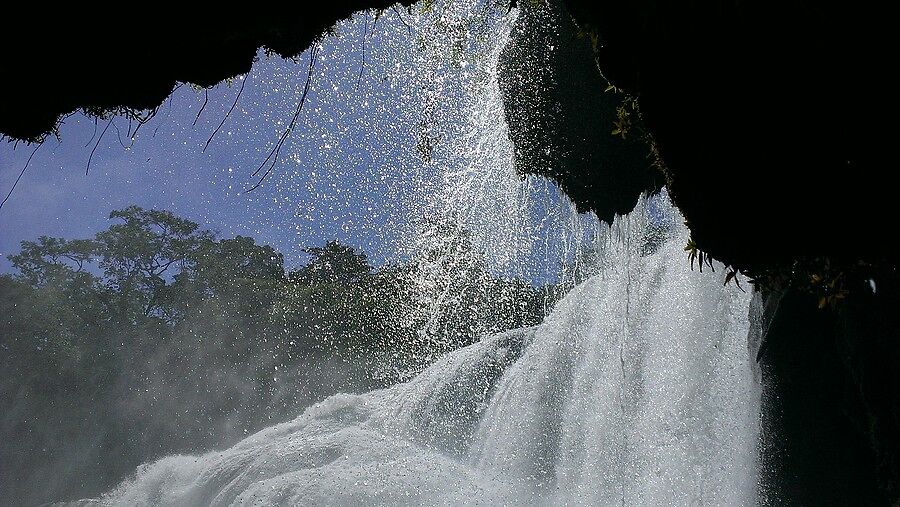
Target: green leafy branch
pixel 695 254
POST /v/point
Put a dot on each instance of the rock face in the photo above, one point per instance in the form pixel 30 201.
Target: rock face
pixel 831 381
pixel 561 115
pixel 766 116
pixel 97 58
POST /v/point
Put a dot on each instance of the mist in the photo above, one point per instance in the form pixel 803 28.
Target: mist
pixel 155 337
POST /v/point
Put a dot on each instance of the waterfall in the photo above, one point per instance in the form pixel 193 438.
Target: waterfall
pixel 637 389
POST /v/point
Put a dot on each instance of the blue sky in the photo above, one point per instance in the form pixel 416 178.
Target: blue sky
pixel 350 170
pixel 340 175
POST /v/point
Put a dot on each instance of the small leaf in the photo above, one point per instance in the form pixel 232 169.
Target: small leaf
pixel 729 277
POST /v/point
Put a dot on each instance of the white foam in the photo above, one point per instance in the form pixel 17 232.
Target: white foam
pixel 636 390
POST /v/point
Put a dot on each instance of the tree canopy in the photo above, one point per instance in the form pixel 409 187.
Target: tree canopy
pixel 188 341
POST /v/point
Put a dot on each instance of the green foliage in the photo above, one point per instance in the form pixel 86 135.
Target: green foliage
pixel 334 263
pixel 628 121
pixel 45 261
pixel 695 254
pixel 425 6
pixel 827 280
pixel 626 115
pixel 156 337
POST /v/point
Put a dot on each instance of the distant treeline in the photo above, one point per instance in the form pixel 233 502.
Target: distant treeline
pixel 157 337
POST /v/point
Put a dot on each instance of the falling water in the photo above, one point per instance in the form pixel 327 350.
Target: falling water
pixel 637 389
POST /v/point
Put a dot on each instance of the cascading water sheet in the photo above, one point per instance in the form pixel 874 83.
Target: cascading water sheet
pixel 638 389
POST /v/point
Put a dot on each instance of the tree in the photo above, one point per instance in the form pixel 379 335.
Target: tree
pixel 45 260
pixel 138 256
pixel 334 262
pixel 188 341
